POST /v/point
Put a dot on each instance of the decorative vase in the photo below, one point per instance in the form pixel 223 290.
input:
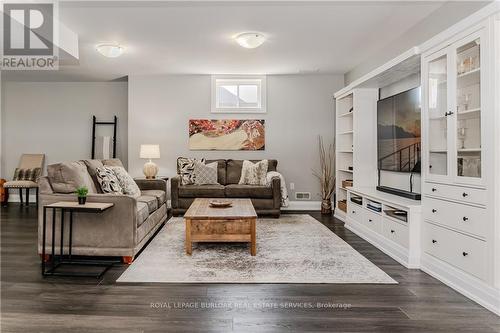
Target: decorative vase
pixel 81 200
pixel 326 206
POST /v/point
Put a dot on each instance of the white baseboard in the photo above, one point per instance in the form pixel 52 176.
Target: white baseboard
pixel 469 286
pixel 303 205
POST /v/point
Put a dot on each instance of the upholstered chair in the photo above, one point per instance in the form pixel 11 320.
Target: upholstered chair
pixel 25 177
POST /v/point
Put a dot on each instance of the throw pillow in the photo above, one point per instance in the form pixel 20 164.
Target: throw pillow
pixel 253 173
pixel 108 181
pixel 185 169
pixel 66 177
pixel 205 174
pixel 27 174
pixel 127 183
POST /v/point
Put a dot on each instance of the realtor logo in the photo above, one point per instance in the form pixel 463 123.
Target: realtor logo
pixel 29 36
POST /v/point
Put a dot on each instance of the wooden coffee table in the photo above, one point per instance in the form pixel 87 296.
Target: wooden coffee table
pixel 231 224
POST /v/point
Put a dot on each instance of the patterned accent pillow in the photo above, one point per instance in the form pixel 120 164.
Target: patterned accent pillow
pixel 185 169
pixel 108 181
pixel 127 183
pixel 253 174
pixel 205 174
pixel 27 174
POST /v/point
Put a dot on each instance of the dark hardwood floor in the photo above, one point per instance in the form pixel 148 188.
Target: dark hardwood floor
pixel 30 303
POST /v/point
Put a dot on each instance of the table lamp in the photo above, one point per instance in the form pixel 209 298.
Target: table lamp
pixel 149 152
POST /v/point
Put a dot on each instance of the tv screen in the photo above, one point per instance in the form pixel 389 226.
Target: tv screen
pixel 398 132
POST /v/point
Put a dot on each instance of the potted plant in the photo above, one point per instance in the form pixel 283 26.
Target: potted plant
pixel 82 192
pixel 326 175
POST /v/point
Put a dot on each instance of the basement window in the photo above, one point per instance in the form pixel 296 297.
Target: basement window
pixel 238 94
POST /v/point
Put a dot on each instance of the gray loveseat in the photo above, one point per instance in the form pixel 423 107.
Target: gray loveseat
pixel 266 200
pixel 119 231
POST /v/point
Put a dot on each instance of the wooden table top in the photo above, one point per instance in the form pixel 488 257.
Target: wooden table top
pixel 241 208
pixel 88 206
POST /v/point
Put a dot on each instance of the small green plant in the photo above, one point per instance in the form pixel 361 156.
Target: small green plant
pixel 82 192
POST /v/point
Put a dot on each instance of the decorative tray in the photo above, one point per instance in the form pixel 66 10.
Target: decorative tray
pixel 220 203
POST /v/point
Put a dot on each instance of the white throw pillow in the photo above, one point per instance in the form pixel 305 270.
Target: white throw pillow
pixel 205 174
pixel 253 173
pixel 127 183
pixel 108 181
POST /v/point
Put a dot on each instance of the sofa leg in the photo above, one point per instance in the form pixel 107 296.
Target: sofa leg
pixel 127 260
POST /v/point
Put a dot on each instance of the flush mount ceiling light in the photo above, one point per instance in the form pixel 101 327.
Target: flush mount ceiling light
pixel 250 40
pixel 110 50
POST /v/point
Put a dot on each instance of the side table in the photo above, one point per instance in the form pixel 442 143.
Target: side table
pixel 57 262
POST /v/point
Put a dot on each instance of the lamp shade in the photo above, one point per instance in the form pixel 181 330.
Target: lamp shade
pixel 150 151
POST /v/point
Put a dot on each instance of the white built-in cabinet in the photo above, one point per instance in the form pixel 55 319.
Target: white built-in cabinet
pixel 459 115
pixel 455 120
pixel 454 233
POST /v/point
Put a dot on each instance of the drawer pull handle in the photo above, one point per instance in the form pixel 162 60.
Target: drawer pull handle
pixel 465 218
pixel 433 189
pixel 434 210
pixel 465 254
pixel 354 212
pixel 465 194
pixel 370 220
pixel 434 241
pixel 392 231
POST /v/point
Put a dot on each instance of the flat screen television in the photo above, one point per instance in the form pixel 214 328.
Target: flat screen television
pixel 398 132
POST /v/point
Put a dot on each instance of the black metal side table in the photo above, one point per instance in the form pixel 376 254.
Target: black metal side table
pixel 57 262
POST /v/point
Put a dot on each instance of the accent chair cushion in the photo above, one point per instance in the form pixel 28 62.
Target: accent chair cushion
pixel 201 191
pixel 127 183
pixel 205 174
pixel 66 177
pixel 249 191
pixel 108 181
pixel 158 194
pixel 253 173
pixel 20 184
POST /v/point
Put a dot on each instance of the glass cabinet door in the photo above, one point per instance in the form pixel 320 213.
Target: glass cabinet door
pixel 468 103
pixel 437 106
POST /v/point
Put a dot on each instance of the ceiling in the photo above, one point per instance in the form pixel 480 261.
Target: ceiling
pixel 185 37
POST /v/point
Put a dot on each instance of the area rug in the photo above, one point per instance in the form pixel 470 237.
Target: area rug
pixel 291 249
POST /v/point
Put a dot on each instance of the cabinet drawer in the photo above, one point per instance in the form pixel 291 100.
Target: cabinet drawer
pixel 464 252
pixel 372 221
pixel 459 193
pixel 396 232
pixel 469 219
pixel 355 212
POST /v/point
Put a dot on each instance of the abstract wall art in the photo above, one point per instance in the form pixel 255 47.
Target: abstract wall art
pixel 226 134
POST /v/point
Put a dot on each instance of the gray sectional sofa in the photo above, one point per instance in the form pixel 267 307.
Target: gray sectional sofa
pixel 119 231
pixel 266 200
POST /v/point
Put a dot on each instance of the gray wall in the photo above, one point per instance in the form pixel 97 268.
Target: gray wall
pixel 300 107
pixel 447 15
pixel 55 118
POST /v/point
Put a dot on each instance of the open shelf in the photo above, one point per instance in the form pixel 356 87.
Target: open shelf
pixel 345 170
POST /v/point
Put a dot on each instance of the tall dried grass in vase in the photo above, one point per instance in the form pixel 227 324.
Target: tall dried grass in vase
pixel 326 175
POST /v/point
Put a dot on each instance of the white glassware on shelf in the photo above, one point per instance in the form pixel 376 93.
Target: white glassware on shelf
pixel 462 133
